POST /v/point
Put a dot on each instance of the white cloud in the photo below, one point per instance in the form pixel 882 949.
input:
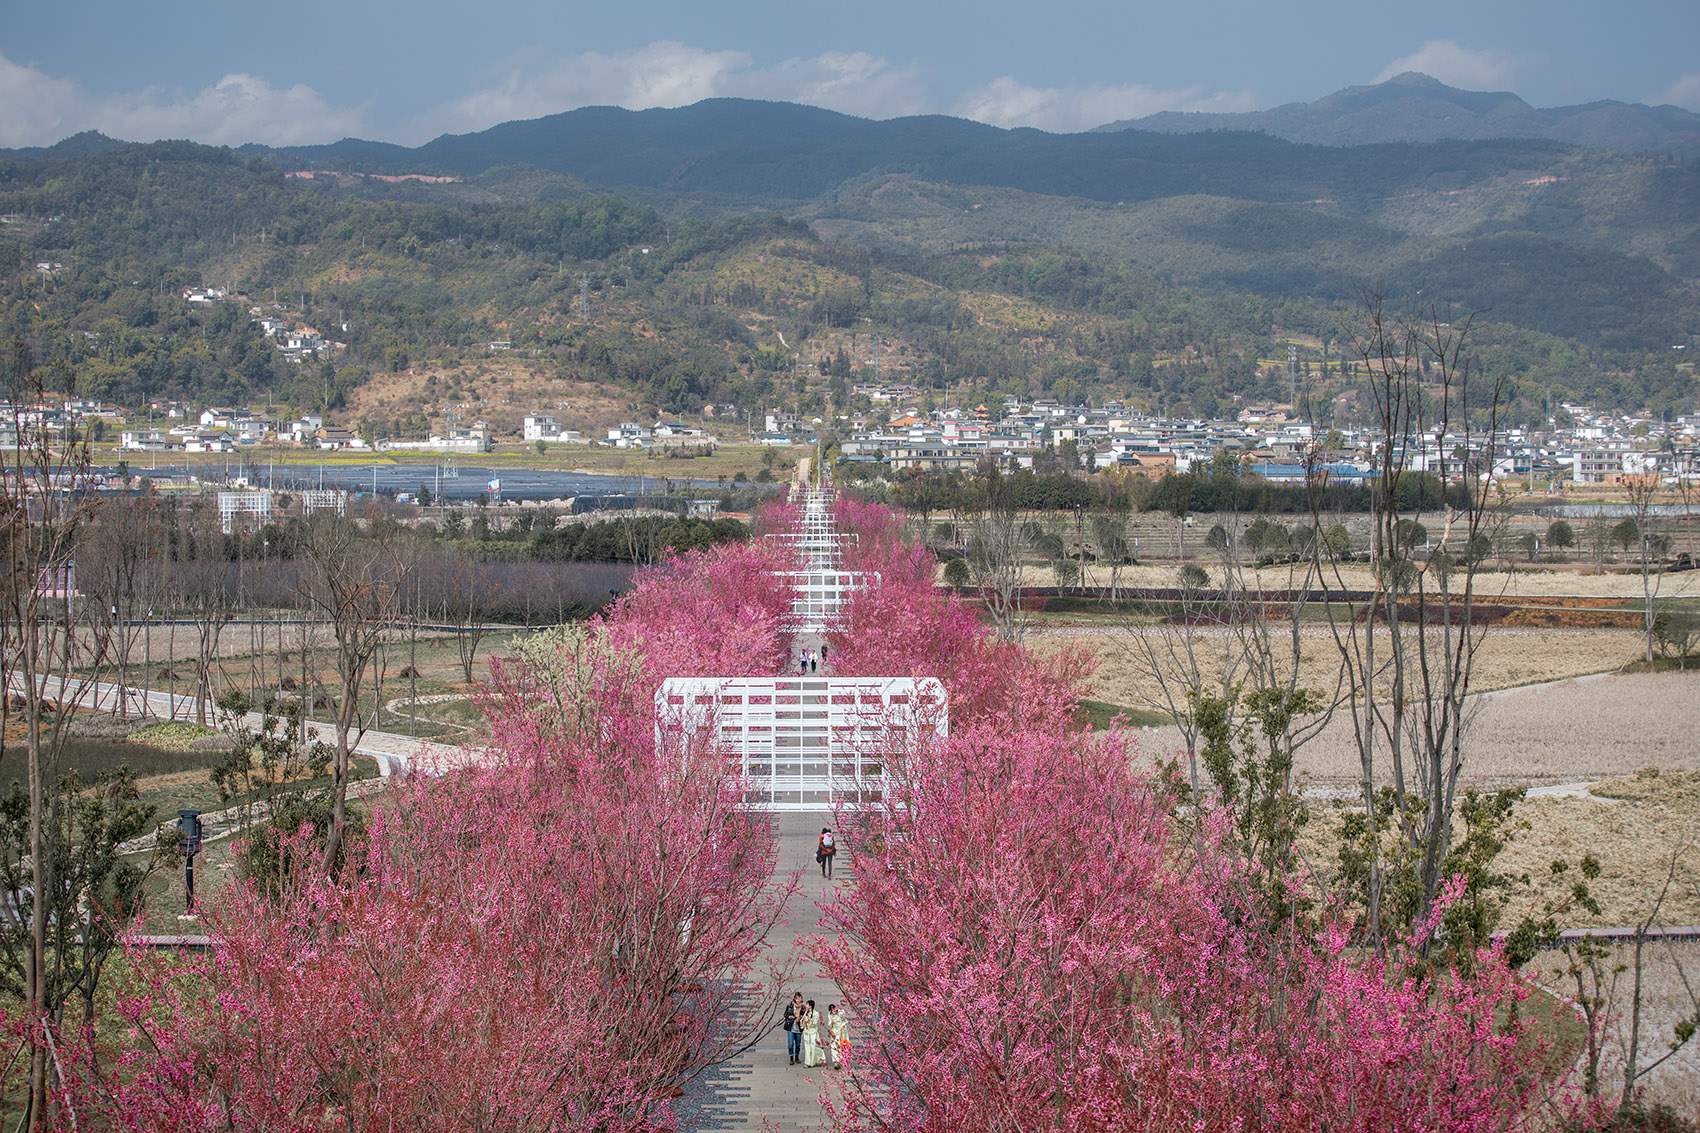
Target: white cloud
pixel 1458 66
pixel 41 109
pixel 1006 102
pixel 668 73
pixel 660 74
pixel 852 82
pixel 1685 92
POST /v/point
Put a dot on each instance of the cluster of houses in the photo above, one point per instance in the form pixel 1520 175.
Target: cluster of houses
pixel 220 429
pixel 1589 448
pixel 294 340
pixel 627 434
pixel 1594 448
pixel 664 434
pixel 16 418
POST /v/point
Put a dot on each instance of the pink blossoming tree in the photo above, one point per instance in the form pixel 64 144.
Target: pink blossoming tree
pixel 560 937
pixel 1040 939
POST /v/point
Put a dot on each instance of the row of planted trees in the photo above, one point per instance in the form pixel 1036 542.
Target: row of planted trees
pixel 103 598
pixel 568 932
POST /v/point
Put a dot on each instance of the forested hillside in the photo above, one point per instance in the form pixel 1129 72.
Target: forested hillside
pixel 679 300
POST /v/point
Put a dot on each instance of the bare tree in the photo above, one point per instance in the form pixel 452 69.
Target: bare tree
pixel 1226 664
pixel 116 572
pixel 1109 535
pixel 462 592
pixel 1643 492
pixel 65 890
pixel 207 586
pixel 1596 973
pixel 1408 650
pixel 1185 651
pixel 995 548
pixel 354 583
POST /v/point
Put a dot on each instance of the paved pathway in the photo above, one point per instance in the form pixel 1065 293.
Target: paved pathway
pixel 762 1084
pixel 394 753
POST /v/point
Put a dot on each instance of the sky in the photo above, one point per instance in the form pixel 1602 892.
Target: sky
pixel 311 71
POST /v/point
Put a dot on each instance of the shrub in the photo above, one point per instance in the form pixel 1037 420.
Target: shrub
pixel 174 735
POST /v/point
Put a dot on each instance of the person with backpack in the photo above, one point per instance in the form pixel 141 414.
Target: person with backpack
pixel 824 851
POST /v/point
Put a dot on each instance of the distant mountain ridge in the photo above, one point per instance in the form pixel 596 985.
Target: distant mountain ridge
pixel 1413 107
pixel 786 152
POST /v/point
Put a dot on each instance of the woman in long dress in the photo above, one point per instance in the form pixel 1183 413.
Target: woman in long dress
pixel 837 1036
pixel 812 1054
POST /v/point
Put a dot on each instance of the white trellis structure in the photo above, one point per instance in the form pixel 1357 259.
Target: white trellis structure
pixel 803 743
pixel 233 504
pixel 821 582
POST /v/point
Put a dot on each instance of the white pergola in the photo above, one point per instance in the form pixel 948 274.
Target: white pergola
pixel 233 504
pixel 804 743
pixel 821 583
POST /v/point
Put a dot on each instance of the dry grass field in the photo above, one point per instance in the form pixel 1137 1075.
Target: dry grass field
pixel 1636 827
pixel 1670 978
pixel 1509 656
pixel 1566 580
pixel 1643 826
pixel 1571 731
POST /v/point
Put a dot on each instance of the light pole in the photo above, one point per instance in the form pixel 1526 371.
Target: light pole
pixel 189 822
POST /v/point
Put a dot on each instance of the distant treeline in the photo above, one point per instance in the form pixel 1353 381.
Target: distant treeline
pixel 1209 489
pixel 631 540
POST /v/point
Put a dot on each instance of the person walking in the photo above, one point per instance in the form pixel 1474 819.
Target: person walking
pixel 794 1027
pixel 837 1036
pixel 825 849
pixel 812 662
pixel 812 1053
pixel 803 663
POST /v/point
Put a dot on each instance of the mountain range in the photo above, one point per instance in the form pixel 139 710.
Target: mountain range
pixel 1584 254
pixel 1413 107
pixel 1297 152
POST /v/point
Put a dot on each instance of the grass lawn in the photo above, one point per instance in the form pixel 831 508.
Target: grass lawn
pixel 1099 715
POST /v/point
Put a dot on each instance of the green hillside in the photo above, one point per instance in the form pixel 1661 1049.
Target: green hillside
pixel 698 298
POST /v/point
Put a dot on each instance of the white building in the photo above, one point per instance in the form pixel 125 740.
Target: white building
pixel 145 440
pixel 629 434
pixel 541 427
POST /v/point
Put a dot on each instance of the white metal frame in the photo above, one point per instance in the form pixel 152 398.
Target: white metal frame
pixel 233 504
pixel 821 583
pixel 804 743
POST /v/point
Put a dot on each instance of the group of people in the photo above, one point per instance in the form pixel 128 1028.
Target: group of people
pixel 808 661
pixel 803 1042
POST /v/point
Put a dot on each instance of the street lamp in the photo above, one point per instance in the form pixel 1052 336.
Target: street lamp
pixel 189 822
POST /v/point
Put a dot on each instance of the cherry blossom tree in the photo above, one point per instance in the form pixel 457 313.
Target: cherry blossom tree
pixel 1043 939
pixel 1040 950
pixel 560 936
